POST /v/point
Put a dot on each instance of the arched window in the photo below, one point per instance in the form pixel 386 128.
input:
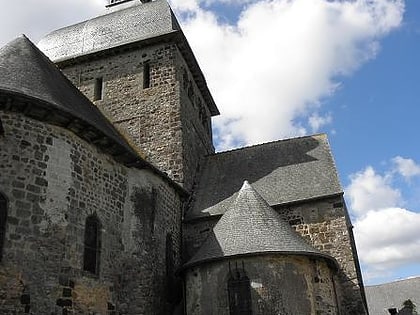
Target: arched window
pixel 239 290
pixel 92 245
pixel 3 218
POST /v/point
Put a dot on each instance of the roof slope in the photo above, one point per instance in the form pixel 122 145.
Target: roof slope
pixel 136 23
pixel 392 295
pixel 283 171
pixel 114 29
pixel 249 227
pixel 26 71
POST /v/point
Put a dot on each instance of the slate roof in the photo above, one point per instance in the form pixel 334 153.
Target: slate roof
pixel 282 172
pixel 391 295
pixel 251 227
pixel 44 93
pixel 139 22
pixel 132 24
pixel 25 70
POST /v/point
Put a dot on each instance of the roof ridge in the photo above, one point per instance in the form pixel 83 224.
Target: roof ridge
pixel 268 142
pixel 414 278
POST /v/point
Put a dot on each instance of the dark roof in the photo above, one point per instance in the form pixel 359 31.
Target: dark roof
pixel 132 24
pixel 40 90
pixel 392 295
pixel 138 23
pixel 407 311
pixel 282 172
pixel 251 227
pixel 25 70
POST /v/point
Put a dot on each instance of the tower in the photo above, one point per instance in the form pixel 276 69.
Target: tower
pixel 135 64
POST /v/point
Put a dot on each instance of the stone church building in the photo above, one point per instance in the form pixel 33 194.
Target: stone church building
pixel 113 200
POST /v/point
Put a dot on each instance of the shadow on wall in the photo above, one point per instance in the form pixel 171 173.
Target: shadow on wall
pixel 290 297
pixel 349 295
pixel 224 173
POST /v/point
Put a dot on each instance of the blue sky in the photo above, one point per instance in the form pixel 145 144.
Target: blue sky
pixel 368 105
pixel 379 105
pixel 281 68
pixel 377 120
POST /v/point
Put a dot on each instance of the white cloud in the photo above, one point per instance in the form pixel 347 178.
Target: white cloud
pixel 36 18
pixel 371 191
pixel 185 5
pixel 387 235
pixel 272 68
pixel 406 167
pixel 268 71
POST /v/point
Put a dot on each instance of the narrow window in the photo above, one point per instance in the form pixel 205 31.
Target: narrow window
pixel 239 290
pixel 1 128
pixel 92 245
pixel 170 279
pixel 98 89
pixel 146 75
pixel 169 256
pixel 3 217
pixel 185 79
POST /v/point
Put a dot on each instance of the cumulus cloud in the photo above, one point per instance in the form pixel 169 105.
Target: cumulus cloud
pixel 36 18
pixel 387 234
pixel 371 191
pixel 388 237
pixel 270 70
pixel 406 167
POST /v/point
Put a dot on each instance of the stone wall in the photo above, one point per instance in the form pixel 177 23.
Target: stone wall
pixel 325 225
pixel 196 123
pixel 280 284
pixel 53 181
pixel 168 120
pixel 195 233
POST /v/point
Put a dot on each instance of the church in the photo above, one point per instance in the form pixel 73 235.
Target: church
pixel 114 201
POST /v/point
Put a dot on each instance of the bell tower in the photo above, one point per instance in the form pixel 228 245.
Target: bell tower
pixel 135 64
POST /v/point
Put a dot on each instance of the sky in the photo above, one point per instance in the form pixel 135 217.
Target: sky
pixel 285 68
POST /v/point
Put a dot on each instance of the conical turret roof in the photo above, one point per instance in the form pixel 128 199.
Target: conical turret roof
pixel 27 72
pixel 30 83
pixel 251 227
